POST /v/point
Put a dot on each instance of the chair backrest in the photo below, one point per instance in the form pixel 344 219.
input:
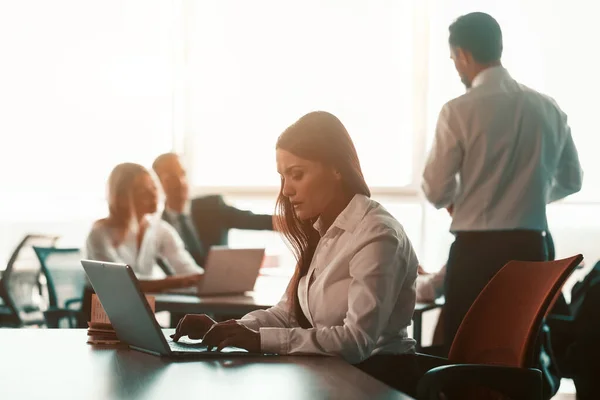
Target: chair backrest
pixel 502 325
pixel 23 257
pixel 19 285
pixel 65 276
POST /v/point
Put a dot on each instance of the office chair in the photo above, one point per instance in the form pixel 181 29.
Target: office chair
pixel 66 281
pixel 494 348
pixel 20 287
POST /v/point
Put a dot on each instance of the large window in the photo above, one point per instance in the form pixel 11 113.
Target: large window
pixel 254 67
pixel 549 46
pixel 87 85
pixel 84 86
pixel 260 65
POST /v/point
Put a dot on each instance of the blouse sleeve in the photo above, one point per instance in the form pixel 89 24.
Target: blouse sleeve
pixel 378 271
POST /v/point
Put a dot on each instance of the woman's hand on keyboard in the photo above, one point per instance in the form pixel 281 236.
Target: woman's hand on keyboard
pixel 193 326
pixel 232 333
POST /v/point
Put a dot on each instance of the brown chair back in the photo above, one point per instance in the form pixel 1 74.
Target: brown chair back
pixel 502 325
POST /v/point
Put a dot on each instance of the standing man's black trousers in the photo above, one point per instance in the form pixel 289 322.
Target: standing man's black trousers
pixel 475 257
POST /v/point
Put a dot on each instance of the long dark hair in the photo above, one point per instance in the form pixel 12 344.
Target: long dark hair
pixel 317 136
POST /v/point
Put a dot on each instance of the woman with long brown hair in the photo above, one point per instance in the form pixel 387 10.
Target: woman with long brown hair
pixel 133 235
pixel 353 291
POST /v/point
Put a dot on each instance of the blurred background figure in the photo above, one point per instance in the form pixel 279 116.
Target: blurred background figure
pixel 204 221
pixel 131 234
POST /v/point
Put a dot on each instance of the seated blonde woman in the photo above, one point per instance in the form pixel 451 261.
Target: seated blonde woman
pixel 133 235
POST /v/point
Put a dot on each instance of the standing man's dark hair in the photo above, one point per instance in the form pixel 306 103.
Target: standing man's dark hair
pixel 478 33
pixel 475 44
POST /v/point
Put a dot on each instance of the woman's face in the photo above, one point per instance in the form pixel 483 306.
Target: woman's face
pixel 145 194
pixel 310 186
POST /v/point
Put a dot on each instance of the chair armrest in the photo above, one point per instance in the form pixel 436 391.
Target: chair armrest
pixel 54 315
pixel 516 383
pixel 71 302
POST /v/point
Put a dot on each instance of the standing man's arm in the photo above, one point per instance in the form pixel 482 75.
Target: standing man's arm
pixel 440 183
pixel 569 175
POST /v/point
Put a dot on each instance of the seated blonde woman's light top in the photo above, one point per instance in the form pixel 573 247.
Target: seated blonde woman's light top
pixel 160 240
pixel 358 294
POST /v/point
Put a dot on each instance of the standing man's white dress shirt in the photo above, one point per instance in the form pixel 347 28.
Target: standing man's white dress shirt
pixel 502 151
pixel 362 292
pixel 160 240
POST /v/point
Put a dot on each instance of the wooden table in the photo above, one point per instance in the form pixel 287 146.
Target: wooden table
pixel 57 363
pixel 267 292
pixel 212 305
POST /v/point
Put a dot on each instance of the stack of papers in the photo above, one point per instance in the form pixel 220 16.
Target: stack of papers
pixel 102 334
pixel 100 330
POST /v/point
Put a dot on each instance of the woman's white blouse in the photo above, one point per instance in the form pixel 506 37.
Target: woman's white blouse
pixel 362 295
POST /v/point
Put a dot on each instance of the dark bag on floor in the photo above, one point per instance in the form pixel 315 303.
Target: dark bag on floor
pixel 584 352
pixel 581 288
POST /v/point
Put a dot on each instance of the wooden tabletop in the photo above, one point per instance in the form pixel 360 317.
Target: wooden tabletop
pixel 220 305
pixel 267 292
pixel 57 363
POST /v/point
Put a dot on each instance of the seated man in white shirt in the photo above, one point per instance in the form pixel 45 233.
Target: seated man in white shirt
pixel 131 234
pixel 353 292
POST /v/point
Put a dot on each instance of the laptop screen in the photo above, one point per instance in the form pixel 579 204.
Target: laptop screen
pixel 130 315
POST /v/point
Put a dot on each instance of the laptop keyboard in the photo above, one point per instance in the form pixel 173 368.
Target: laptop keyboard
pixel 196 347
pixel 187 347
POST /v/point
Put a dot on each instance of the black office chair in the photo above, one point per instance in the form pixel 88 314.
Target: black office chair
pixel 20 287
pixel 66 281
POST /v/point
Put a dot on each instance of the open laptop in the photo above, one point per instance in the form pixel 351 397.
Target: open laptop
pixel 227 272
pixel 230 271
pixel 131 317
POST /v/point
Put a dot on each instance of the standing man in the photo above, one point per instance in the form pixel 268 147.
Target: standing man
pixel 502 151
pixel 210 217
